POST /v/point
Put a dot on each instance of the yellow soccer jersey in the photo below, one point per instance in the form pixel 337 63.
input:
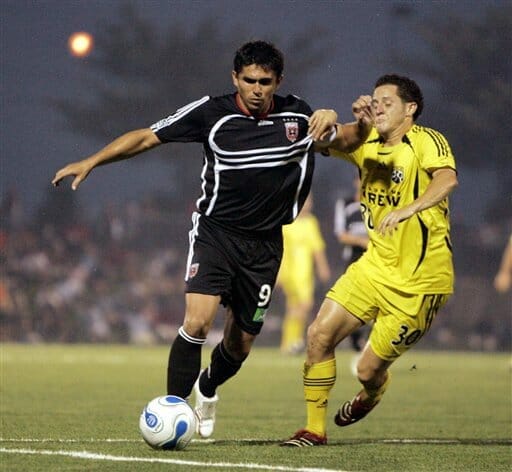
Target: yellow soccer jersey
pixel 417 258
pixel 301 240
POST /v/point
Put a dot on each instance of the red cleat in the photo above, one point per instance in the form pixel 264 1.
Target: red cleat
pixel 305 438
pixel 353 411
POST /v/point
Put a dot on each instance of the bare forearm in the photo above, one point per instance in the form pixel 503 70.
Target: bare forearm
pixel 350 136
pixel 503 278
pixel 442 184
pixel 128 145
pixel 506 260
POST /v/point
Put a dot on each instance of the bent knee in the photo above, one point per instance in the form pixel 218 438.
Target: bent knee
pixel 371 375
pixel 317 332
pixel 196 326
pixel 365 373
pixel 319 339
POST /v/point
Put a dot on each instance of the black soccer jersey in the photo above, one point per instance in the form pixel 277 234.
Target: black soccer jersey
pixel 348 218
pixel 257 171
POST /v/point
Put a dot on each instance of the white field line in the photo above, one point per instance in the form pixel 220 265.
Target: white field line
pixel 433 441
pixel 85 440
pixel 108 457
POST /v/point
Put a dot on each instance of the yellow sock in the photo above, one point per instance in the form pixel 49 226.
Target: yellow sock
pixel 292 332
pixel 375 394
pixel 318 381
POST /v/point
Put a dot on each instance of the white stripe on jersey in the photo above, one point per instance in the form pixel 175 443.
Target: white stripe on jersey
pixel 192 234
pixel 203 183
pixel 297 148
pixel 178 114
pixel 303 166
pixel 220 165
pixel 217 150
pixel 256 158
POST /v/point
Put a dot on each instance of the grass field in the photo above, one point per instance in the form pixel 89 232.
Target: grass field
pixel 73 408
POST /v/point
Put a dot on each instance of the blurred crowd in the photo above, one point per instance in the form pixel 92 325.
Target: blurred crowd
pixel 118 277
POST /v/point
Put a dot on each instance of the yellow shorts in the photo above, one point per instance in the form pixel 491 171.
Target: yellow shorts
pixel 400 318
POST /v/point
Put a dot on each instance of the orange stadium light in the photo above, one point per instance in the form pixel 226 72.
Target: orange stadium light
pixel 80 44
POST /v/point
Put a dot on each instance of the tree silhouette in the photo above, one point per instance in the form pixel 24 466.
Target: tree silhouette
pixel 139 75
pixel 470 62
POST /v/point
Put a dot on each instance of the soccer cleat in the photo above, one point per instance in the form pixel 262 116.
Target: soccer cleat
pixel 352 411
pixel 305 438
pixel 205 412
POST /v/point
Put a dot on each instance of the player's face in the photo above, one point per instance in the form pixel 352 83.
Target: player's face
pixel 390 113
pixel 256 87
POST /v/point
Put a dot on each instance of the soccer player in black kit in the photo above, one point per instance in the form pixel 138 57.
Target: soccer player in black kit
pixel 258 165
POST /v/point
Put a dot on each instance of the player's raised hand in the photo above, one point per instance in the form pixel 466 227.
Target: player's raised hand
pixel 321 124
pixel 80 170
pixel 362 110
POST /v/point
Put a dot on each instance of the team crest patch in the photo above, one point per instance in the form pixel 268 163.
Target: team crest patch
pixel 193 270
pixel 292 130
pixel 397 175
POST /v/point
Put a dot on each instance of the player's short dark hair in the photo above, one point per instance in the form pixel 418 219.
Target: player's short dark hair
pixel 261 53
pixel 408 90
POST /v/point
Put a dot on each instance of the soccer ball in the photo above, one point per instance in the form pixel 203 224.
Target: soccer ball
pixel 167 422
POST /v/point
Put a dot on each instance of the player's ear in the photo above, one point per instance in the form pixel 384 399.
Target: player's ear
pixel 234 78
pixel 411 108
pixel 279 80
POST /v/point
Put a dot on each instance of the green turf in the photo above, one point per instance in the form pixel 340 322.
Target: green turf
pixel 443 412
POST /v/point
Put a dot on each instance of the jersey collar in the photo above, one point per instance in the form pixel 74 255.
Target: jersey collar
pixel 246 112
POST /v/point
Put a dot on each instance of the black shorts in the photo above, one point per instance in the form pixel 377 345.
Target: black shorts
pixel 241 270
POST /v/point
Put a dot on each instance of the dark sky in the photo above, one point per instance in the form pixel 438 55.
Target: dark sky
pixel 36 65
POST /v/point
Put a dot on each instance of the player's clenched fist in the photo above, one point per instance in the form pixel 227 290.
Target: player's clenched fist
pixel 362 109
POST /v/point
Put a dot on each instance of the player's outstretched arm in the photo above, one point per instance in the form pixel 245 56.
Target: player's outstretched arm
pixel 128 145
pixel 503 279
pixel 343 137
pixel 351 135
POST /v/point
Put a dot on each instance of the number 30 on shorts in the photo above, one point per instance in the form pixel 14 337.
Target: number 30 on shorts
pixel 430 306
pixel 405 337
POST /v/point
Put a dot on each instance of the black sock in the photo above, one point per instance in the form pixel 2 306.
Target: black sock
pixel 184 364
pixel 222 367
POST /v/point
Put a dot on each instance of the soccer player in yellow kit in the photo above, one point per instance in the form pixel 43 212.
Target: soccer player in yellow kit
pixel 405 276
pixel 303 254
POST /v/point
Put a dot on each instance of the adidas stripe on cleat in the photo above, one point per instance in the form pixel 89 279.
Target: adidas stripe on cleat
pixel 305 438
pixel 352 411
